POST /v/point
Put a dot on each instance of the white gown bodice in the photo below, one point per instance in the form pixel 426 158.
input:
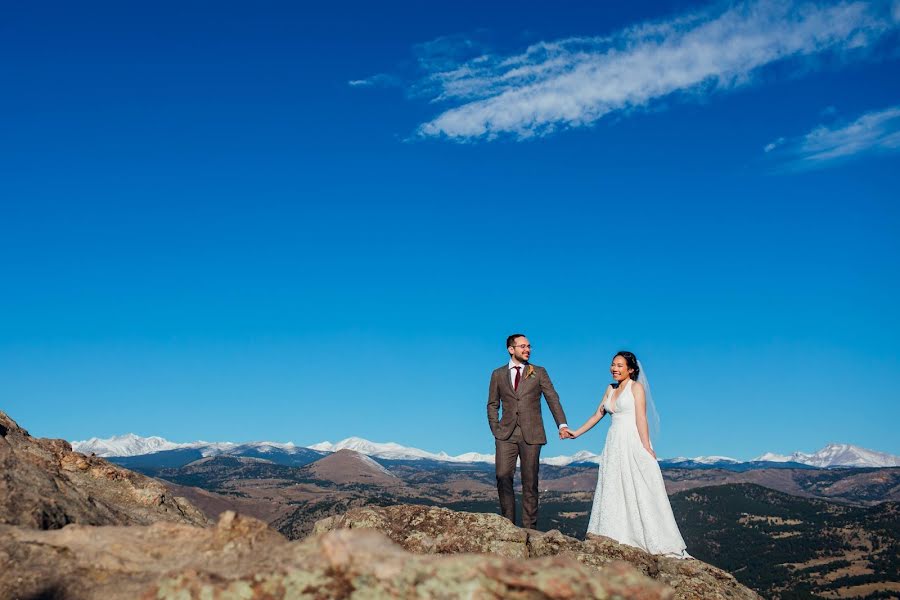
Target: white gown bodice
pixel 622 408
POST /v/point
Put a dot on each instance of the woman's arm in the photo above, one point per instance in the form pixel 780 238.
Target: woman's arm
pixel 595 418
pixel 640 409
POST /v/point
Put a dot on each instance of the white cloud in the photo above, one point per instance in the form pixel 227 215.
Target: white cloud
pixel 876 131
pixel 379 80
pixel 773 145
pixel 574 82
pixel 446 52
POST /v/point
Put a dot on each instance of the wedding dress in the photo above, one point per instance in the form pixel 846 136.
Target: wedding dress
pixel 630 503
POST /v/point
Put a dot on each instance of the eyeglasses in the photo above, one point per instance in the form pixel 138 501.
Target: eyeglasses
pixel 523 346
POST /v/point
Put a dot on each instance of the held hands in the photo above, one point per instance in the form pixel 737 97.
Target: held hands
pixel 566 434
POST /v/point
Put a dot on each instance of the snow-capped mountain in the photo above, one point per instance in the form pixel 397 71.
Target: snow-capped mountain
pixel 773 457
pixel 562 461
pixel 837 455
pixel 125 445
pixel 121 446
pixel 135 445
pixel 703 460
pixel 589 457
pixel 393 451
pixel 832 455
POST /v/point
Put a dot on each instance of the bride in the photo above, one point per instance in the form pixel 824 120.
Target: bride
pixel 630 504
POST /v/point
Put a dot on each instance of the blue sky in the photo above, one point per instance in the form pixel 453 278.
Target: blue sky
pixel 282 222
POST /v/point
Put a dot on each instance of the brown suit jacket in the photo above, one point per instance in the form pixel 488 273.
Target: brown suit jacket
pixel 522 407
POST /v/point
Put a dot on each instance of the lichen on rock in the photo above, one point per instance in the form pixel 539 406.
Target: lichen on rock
pixel 435 530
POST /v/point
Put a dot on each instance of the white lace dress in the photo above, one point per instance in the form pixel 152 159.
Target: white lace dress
pixel 630 504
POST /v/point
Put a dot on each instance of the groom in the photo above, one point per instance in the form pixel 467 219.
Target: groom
pixel 519 433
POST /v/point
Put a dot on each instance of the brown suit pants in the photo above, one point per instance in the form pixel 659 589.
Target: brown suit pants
pixel 530 455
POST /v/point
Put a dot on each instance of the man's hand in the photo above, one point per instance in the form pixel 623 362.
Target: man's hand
pixel 564 434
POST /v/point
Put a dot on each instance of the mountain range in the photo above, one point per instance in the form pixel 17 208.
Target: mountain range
pixel 131 445
pixel 845 455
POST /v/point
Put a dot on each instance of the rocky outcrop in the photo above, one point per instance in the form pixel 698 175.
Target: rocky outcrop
pixel 242 558
pixel 432 530
pixel 45 485
pixel 53 499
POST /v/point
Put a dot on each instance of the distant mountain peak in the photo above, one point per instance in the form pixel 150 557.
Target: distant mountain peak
pixel 703 460
pixel 580 456
pixel 349 466
pixel 128 444
pixel 837 455
pixel 395 451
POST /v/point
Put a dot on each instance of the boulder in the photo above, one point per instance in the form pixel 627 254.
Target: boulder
pixel 242 558
pixel 434 530
pixel 45 485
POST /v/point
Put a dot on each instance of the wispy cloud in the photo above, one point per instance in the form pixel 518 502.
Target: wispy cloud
pixel 576 81
pixel 448 52
pixel 379 80
pixel 774 145
pixel 873 132
pixel 441 55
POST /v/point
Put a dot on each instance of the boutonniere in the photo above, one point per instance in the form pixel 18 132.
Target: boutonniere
pixel 530 372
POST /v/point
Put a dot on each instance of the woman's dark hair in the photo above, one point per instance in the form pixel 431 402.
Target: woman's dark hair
pixel 630 361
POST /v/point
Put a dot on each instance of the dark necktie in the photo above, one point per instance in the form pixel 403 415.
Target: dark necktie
pixel 518 373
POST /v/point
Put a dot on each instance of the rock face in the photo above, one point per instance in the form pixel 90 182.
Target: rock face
pixel 242 558
pixel 80 528
pixel 45 485
pixel 432 530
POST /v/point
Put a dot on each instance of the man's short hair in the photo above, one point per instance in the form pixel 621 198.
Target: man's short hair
pixel 511 340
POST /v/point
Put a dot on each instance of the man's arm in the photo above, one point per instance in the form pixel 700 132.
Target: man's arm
pixel 552 399
pixel 493 404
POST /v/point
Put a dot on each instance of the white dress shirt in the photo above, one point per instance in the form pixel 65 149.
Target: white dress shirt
pixel 512 378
